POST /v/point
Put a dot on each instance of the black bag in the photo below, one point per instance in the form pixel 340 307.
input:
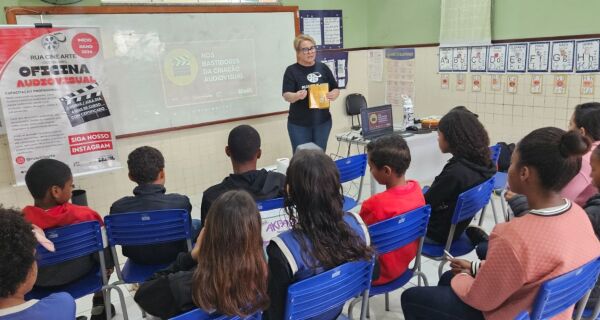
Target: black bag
pixel 506 151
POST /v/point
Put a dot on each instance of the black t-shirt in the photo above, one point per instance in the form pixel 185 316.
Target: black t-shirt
pixel 298 77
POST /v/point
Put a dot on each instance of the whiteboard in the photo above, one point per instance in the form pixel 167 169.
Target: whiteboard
pixel 169 70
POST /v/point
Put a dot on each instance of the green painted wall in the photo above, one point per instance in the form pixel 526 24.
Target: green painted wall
pixel 401 22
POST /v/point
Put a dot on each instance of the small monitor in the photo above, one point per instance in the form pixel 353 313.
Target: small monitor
pixel 377 121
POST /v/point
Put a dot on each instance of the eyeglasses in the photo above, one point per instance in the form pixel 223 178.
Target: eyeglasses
pixel 307 50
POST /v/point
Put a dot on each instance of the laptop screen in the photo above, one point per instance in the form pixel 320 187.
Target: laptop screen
pixel 377 120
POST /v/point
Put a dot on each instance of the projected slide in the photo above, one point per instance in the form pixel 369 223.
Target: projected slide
pixel 208 71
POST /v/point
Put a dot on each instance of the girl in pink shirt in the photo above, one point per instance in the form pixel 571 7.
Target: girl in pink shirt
pixel 525 252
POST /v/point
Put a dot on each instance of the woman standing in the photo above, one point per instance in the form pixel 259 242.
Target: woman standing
pixel 307 123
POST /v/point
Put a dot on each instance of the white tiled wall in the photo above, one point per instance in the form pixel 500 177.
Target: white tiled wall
pixel 507 116
pixel 195 158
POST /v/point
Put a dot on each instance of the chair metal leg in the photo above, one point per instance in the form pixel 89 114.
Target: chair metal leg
pixel 494 209
pixel 364 305
pixel 441 267
pixel 503 205
pixel 368 309
pixel 351 306
pixel 387 301
pixel 107 306
pixel 420 275
pixel 481 215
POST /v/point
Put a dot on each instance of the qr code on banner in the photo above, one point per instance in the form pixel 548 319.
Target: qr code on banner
pixel 84 105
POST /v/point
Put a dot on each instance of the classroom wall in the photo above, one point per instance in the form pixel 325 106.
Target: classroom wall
pixel 194 159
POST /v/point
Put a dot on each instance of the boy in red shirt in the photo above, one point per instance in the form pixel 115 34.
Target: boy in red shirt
pixel 50 182
pixel 389 158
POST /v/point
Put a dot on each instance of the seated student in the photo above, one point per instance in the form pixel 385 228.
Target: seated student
pixel 585 120
pixel 322 235
pixel 461 134
pixel 592 209
pixel 19 271
pixel 555 237
pixel 50 182
pixel 243 148
pixel 231 272
pixel 147 169
pixel 389 158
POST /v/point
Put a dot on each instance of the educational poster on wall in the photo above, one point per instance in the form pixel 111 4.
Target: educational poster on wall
pixel 375 61
pixel 477 59
pixel 536 84
pixel 337 61
pixel 587 85
pixel 587 55
pixel 444 81
pixel 476 83
pixel 53 99
pixel 497 59
pixel 512 82
pixel 325 26
pixel 496 82
pixel 460 82
pixel 560 84
pixel 400 75
pixel 537 60
pixel 460 59
pixel 517 57
pixel 445 60
pixel 562 56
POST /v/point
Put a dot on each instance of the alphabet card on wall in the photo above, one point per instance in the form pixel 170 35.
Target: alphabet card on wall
pixel 444 81
pixel 536 84
pixel 587 85
pixel 478 58
pixel 460 59
pixel 497 59
pixel 560 84
pixel 496 82
pixel 588 52
pixel 445 62
pixel 562 56
pixel 460 82
pixel 512 82
pixel 537 60
pixel 476 83
pixel 517 57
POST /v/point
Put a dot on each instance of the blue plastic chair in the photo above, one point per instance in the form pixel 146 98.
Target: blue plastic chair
pixel 329 290
pixel 142 228
pixel 392 234
pixel 72 242
pixel 499 186
pixel 199 314
pixel 270 204
pixel 352 168
pixel 468 205
pixel 592 313
pixel 560 293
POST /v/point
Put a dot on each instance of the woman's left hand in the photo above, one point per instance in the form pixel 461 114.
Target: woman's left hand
pixel 333 94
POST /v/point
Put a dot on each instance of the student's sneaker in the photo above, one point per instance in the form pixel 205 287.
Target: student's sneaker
pixel 476 235
pixel 98 310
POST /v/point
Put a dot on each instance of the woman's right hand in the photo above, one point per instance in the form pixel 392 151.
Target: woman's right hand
pixel 460 266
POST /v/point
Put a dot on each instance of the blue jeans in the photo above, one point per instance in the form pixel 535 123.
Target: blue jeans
pixel 424 303
pixel 317 134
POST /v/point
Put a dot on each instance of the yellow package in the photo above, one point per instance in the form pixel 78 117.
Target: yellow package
pixel 317 96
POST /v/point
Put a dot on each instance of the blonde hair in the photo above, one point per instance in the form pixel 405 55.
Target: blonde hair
pixel 303 37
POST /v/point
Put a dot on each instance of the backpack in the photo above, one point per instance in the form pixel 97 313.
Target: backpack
pixel 506 151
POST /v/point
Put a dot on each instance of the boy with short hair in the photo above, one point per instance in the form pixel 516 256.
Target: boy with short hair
pixel 243 148
pixel 389 158
pixel 50 182
pixel 19 271
pixel 147 169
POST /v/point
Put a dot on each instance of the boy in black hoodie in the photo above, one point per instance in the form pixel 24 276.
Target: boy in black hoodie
pixel 243 148
pixel 461 134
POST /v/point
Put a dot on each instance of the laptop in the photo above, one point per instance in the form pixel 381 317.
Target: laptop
pixel 376 121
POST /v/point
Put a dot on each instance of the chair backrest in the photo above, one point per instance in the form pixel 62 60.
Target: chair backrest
pixel 139 228
pixel 560 293
pixel 355 102
pixel 495 153
pixel 398 231
pixel 71 242
pixel 270 204
pixel 328 290
pixel 352 167
pixel 199 314
pixel 472 200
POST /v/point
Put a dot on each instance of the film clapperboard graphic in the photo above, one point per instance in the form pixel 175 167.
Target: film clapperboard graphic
pixel 84 105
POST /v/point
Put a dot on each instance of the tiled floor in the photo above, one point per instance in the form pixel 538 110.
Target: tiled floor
pixel 377 307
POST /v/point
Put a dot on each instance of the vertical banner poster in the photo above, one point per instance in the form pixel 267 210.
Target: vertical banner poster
pixel 560 84
pixel 337 61
pixel 52 99
pixel 460 60
pixel 445 59
pixel 517 57
pixel 588 52
pixel 476 83
pixel 497 58
pixel 400 76
pixel 562 56
pixel 325 26
pixel 477 59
